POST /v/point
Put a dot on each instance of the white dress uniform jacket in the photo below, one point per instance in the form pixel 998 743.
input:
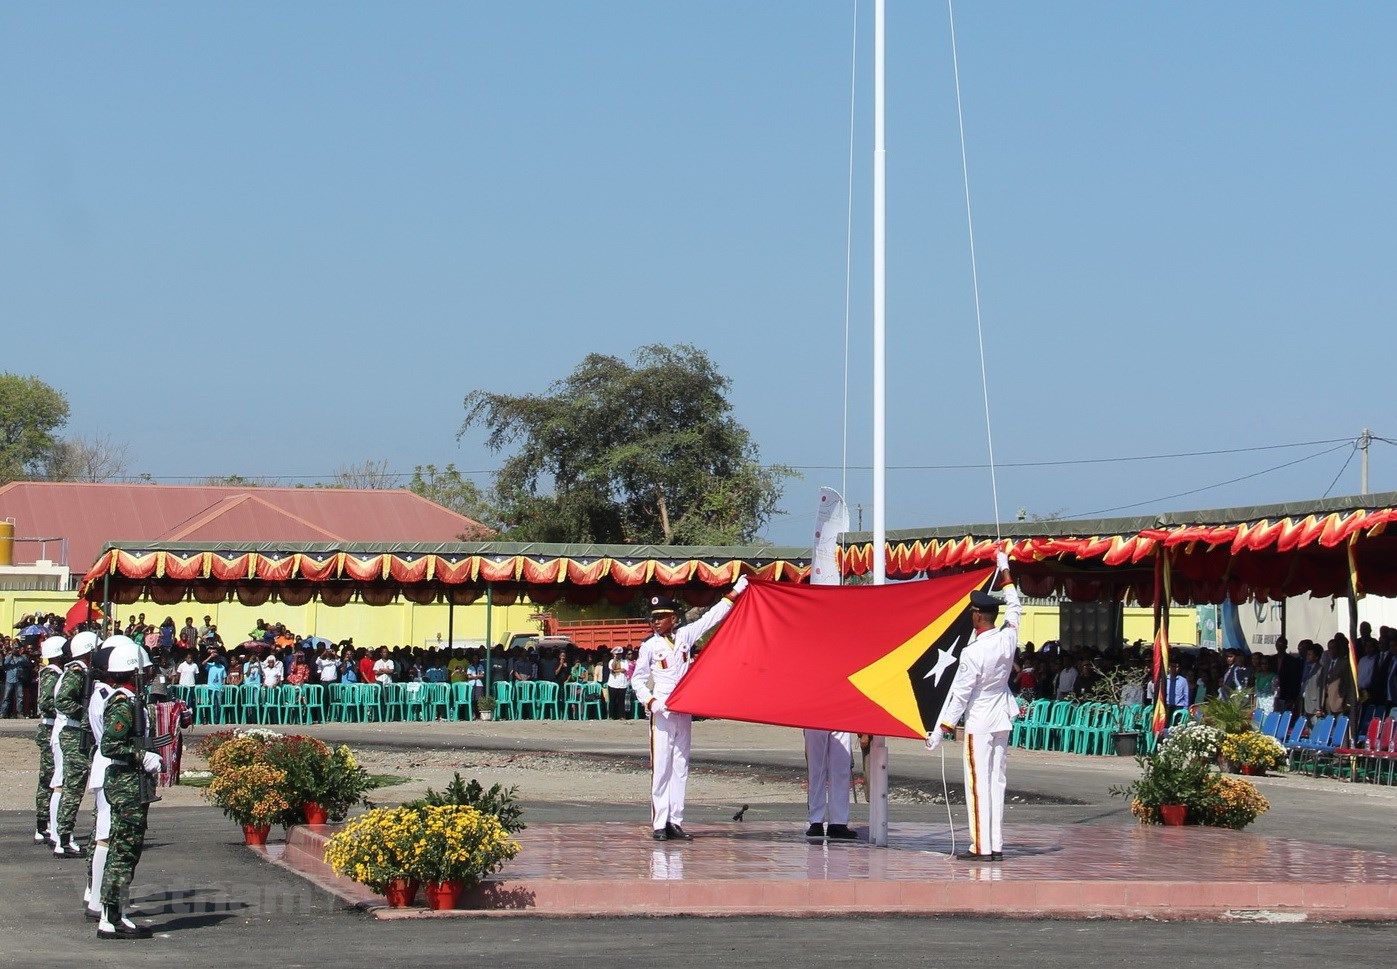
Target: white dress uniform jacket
pixel 659 667
pixel 981 692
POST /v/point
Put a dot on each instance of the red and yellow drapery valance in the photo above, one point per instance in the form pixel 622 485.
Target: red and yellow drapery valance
pixel 460 573
pixel 1263 557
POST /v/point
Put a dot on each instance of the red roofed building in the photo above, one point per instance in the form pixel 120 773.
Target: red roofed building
pixel 85 517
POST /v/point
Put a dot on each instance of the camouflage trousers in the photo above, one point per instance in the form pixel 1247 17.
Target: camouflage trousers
pixel 76 763
pixel 128 833
pixel 41 796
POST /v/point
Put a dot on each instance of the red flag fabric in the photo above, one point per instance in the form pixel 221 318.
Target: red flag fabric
pixel 80 612
pixel 866 659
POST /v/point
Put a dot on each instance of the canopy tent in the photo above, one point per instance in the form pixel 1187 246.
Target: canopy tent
pixel 458 572
pixel 1325 547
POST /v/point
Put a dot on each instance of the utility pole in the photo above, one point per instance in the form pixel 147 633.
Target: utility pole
pixel 1365 440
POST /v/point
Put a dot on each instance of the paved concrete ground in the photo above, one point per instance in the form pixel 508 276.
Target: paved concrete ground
pixel 214 903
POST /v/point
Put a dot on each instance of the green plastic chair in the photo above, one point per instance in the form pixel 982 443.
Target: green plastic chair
pixel 1036 716
pixel 342 704
pixel 634 705
pixel 206 704
pixel 526 699
pixel 505 708
pixel 1055 730
pixel 250 703
pixel 592 699
pixel 573 699
pixel 412 698
pixel 229 704
pixel 314 709
pixel 462 695
pixel 546 699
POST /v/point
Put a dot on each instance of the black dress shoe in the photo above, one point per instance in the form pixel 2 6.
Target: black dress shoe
pixel 660 834
pixel 677 833
pixel 996 856
pixel 972 856
pixel 840 832
pixel 120 931
pixel 90 915
pixel 815 831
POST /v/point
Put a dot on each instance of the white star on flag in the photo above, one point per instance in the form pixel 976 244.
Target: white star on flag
pixel 944 658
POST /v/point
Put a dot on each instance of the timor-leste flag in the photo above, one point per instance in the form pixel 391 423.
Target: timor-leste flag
pixel 867 659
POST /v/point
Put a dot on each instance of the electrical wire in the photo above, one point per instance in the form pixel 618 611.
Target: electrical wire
pixel 1194 491
pixel 1347 462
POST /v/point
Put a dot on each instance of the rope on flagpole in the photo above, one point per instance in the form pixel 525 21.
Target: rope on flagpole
pixel 974 269
pixel 849 248
pixel 946 793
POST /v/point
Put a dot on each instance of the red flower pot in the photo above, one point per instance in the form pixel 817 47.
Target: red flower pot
pixel 1251 771
pixel 401 892
pixel 443 895
pixel 1173 815
pixel 315 814
pixel 255 834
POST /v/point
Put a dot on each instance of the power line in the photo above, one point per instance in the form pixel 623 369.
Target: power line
pixel 1194 491
pixel 1083 461
pixel 1069 462
pixel 1347 462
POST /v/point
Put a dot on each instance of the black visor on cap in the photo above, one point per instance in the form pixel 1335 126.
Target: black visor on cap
pixel 983 601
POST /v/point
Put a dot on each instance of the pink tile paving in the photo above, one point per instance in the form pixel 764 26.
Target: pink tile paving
pixel 613 868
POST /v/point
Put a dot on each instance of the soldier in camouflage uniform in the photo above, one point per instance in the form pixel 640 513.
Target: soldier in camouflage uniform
pixel 125 748
pixel 45 802
pixel 72 754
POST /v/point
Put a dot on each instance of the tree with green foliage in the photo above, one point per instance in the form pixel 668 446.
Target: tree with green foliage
pixel 31 412
pixel 614 452
pixel 451 489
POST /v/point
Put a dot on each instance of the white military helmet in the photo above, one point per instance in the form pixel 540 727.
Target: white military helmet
pixel 125 655
pixel 83 643
pixel 52 648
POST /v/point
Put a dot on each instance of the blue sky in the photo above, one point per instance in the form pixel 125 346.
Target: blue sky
pixel 273 239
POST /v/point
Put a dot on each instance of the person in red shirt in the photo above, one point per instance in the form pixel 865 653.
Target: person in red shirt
pixel 366 666
pixel 300 670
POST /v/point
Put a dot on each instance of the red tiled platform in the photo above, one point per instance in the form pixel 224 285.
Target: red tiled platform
pixel 1070 871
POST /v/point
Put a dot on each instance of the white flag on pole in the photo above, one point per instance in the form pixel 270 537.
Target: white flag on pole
pixel 831 519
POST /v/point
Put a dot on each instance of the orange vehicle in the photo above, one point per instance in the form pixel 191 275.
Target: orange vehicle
pixel 587 633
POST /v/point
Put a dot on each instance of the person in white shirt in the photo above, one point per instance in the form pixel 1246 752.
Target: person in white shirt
pixel 273 671
pixel 981 692
pixel 1067 681
pixel 663 661
pixel 188 671
pixel 328 667
pixel 616 683
pixel 383 668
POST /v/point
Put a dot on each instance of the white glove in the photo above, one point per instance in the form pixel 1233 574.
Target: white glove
pixel 150 761
pixel 934 738
pixel 657 707
pixel 739 585
pixel 1001 560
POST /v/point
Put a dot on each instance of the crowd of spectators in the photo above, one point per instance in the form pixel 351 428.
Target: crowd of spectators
pixel 1312 680
pixel 272 655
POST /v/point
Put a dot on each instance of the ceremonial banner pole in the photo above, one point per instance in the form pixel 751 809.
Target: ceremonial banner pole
pixel 878 750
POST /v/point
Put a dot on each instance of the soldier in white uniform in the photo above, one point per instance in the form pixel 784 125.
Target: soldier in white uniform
pixel 664 658
pixel 981 692
pixel 829 764
pixel 102 823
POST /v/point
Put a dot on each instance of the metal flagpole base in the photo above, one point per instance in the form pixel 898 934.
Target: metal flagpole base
pixel 878 792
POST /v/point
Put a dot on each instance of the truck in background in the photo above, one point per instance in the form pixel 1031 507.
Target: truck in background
pixel 585 634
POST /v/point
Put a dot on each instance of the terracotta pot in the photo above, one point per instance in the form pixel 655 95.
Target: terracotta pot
pixel 256 834
pixel 1251 771
pixel 1173 815
pixel 443 895
pixel 401 892
pixel 315 814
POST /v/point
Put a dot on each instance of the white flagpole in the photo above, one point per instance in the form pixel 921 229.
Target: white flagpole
pixel 878 752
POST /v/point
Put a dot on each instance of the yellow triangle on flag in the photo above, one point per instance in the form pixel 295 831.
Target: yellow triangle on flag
pixel 885 680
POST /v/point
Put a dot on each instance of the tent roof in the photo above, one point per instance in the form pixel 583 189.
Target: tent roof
pixel 1255 552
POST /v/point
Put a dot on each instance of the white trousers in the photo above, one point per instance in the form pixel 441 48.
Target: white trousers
pixel 829 763
pixel 669 766
pixel 102 823
pixel 984 755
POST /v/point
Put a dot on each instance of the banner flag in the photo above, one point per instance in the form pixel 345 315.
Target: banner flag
pixel 831 520
pixel 866 659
